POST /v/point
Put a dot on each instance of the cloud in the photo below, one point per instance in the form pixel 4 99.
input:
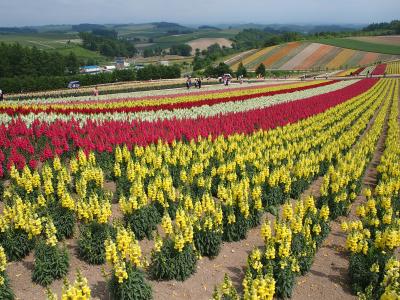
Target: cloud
pixel 39 12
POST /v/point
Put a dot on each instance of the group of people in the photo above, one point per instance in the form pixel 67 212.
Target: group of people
pixel 197 83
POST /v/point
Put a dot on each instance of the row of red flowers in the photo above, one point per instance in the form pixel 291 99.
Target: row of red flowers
pixel 26 110
pixel 20 145
pixel 379 70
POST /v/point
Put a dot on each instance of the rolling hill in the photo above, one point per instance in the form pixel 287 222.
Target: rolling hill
pixel 311 56
pixel 378 44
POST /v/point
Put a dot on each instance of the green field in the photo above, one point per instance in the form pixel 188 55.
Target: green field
pixel 60 42
pixel 361 45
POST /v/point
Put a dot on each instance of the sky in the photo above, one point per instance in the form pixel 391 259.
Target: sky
pixel 42 12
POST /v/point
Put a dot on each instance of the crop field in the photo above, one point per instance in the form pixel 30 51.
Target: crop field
pixel 62 43
pixel 370 45
pixel 311 56
pixel 204 43
pixel 385 39
pixel 251 191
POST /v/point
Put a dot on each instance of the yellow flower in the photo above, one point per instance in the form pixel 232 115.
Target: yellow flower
pixel 166 224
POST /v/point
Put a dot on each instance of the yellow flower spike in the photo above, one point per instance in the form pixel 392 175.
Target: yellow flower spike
pixel 367 193
pixel 266 231
pixel 344 226
pixel 166 224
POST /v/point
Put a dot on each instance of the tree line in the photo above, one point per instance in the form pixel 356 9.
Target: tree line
pixel 107 43
pixel 43 83
pixel 16 60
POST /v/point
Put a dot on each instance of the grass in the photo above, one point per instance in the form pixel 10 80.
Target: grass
pixel 361 45
pixel 41 41
pixel 52 42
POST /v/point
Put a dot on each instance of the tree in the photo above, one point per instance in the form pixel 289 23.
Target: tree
pixel 260 70
pixel 72 63
pixel 241 71
pixel 181 49
pixel 217 71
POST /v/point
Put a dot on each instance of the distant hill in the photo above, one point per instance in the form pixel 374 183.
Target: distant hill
pixel 309 29
pixel 87 27
pixel 206 27
pixel 17 30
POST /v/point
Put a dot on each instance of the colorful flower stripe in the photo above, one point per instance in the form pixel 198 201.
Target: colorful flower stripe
pixel 182 113
pixel 393 68
pixel 43 140
pixel 102 88
pixel 118 107
pixel 368 58
pixel 379 70
pixel 311 60
pixel 281 53
pixel 173 95
pixel 308 51
pixel 367 70
pixel 254 57
pixel 340 59
pixel 294 54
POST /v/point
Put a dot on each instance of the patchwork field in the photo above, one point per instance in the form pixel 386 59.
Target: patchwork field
pixel 204 43
pixel 386 39
pixel 311 56
pixel 373 45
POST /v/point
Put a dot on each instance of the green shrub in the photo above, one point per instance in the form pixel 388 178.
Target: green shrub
pixel 64 221
pixel 6 293
pixel 16 244
pixel 132 288
pixel 143 221
pixel 91 242
pixel 51 263
pixel 170 264
pixel 236 231
pixel 208 242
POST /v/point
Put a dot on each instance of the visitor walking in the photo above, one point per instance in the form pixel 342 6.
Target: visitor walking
pixel 1 95
pixel 188 83
pixel 199 83
pixel 95 91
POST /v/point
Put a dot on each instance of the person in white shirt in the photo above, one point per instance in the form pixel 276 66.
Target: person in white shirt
pixel 1 95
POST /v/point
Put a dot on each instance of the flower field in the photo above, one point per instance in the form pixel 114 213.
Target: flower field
pixel 311 56
pixel 146 195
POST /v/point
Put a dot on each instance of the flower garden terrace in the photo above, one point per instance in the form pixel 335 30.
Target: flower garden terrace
pixel 205 180
pixel 37 137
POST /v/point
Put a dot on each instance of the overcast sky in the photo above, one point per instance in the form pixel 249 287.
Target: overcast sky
pixel 40 12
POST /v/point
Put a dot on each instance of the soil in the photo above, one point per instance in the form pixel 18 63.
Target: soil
pixel 204 43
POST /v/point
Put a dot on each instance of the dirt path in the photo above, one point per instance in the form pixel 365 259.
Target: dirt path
pixel 328 278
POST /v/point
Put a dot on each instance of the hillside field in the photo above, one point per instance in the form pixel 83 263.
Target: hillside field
pixel 311 56
pixel 370 44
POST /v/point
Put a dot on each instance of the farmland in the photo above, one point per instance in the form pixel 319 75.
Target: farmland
pixel 311 56
pixel 162 193
pixel 370 45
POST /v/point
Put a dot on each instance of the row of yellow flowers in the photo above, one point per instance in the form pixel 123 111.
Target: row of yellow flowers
pixel 375 236
pixel 281 248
